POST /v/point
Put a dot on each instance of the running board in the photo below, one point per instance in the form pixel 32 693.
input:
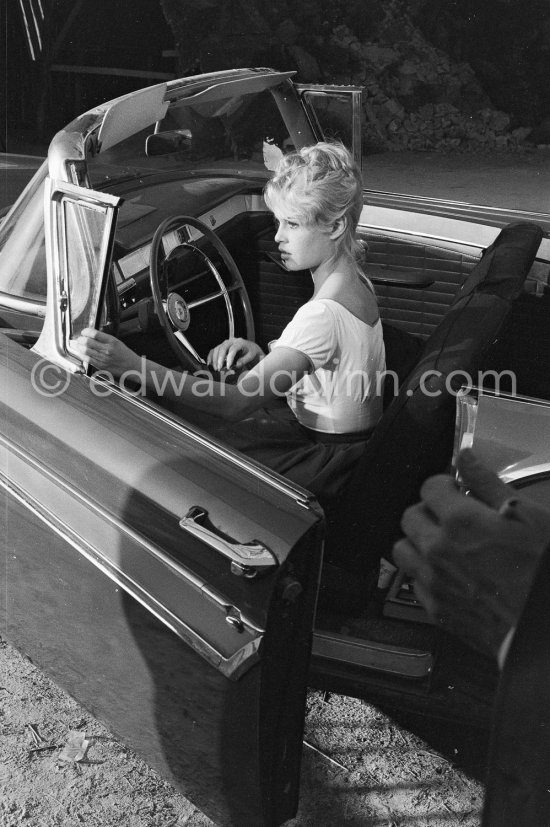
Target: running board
pixel 380 657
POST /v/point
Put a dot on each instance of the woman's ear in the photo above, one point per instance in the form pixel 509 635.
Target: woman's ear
pixel 338 228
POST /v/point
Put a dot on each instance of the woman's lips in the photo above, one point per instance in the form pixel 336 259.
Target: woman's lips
pixel 284 258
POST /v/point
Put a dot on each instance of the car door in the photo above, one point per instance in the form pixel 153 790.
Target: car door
pixel 167 583
pixel 509 433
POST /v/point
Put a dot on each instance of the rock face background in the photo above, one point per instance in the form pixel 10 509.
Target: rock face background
pixel 416 97
pixel 446 75
pixel 438 74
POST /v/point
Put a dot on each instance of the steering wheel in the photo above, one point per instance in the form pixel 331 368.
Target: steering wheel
pixel 173 312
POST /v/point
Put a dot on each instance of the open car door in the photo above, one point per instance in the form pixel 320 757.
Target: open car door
pixel 166 583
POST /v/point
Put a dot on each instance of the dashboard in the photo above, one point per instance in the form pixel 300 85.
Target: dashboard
pixel 131 269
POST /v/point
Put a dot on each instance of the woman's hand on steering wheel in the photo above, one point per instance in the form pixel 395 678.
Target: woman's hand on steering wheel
pixel 222 357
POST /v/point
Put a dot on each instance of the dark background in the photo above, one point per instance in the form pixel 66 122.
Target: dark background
pixel 437 74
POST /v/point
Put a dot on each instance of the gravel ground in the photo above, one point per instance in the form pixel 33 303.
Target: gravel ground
pixel 369 771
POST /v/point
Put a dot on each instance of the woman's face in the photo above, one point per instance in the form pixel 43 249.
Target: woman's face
pixel 302 246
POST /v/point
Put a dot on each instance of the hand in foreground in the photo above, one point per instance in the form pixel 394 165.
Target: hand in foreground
pixel 222 357
pixel 107 352
pixel 472 566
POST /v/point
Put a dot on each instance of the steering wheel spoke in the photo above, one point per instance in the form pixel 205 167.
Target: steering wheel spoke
pixel 206 299
pixel 174 312
pixel 187 344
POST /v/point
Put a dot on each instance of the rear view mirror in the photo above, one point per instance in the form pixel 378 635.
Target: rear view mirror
pixel 164 143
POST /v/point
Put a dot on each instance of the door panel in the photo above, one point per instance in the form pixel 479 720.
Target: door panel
pixel 415 309
pixel 200 670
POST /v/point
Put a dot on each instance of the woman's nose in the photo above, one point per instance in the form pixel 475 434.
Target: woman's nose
pixel 279 233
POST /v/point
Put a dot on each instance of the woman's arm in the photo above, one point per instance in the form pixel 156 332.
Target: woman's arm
pixel 273 376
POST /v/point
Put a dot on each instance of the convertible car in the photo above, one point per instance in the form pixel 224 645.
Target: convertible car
pixel 184 593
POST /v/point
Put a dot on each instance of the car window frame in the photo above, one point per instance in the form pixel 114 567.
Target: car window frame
pixel 355 93
pixel 54 342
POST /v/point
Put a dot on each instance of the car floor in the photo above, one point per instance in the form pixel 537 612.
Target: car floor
pixel 360 767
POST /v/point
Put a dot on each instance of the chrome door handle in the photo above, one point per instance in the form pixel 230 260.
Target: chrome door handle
pixel 247 559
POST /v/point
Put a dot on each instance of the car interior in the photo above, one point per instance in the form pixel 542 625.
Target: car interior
pixel 442 312
pixel 443 309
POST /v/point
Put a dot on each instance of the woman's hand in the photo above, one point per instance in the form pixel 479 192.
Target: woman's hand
pixel 222 357
pixel 473 559
pixel 107 352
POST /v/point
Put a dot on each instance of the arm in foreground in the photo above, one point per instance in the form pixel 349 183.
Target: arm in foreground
pixel 473 566
pixel 270 378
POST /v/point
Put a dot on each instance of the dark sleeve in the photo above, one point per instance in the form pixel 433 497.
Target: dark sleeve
pixel 518 784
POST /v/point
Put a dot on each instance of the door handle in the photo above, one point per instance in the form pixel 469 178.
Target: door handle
pixel 247 559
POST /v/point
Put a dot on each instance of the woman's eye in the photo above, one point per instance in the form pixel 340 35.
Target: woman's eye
pixel 292 224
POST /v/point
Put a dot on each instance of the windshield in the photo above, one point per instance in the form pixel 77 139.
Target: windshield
pixel 225 130
pixel 22 244
pixel 236 133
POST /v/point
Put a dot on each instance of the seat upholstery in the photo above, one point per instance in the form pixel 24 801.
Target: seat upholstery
pixel 414 438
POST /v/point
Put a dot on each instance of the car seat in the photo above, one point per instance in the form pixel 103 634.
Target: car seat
pixel 414 438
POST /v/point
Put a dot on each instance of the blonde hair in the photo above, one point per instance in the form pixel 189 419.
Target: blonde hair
pixel 323 185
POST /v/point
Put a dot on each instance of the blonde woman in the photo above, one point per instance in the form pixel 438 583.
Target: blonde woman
pixel 327 360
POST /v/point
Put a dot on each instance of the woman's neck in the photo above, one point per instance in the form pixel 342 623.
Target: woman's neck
pixel 329 275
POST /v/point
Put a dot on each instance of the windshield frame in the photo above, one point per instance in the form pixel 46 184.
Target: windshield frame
pixel 217 129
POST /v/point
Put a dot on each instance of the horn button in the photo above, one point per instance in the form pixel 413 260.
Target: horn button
pixel 177 311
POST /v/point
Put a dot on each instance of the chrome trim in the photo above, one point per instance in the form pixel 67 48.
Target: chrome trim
pixel 181 571
pixel 408 202
pixel 196 582
pixel 428 235
pixel 357 108
pixel 327 87
pixel 179 335
pixel 23 305
pixel 69 144
pixel 232 667
pixel 54 342
pixel 541 469
pixel 300 495
pixel 206 299
pixel 379 228
pixel 356 95
pixel 247 559
pixel 393 660
pixel 472 227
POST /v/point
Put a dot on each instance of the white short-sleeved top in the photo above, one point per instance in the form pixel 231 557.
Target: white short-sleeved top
pixel 342 394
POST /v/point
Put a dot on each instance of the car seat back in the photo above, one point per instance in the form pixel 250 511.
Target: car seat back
pixel 414 438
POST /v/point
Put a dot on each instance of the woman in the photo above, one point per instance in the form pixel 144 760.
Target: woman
pixel 329 359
